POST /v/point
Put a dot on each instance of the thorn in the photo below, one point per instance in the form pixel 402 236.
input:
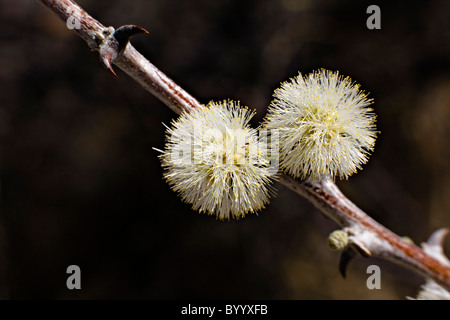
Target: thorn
pixel 129 30
pixel 435 246
pixel 112 71
pixel 115 43
pixel 124 33
pixel 437 238
pixel 107 62
pixel 346 256
pixel 108 52
pixel 360 248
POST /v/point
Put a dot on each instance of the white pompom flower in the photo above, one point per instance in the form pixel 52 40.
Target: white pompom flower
pixel 325 127
pixel 216 162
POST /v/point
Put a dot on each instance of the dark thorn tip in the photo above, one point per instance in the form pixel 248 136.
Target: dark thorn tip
pixel 124 33
pixel 347 255
pixel 107 64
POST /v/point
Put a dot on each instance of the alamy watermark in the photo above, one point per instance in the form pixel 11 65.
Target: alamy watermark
pixel 373 281
pixel 74 280
pixel 374 20
pixel 73 22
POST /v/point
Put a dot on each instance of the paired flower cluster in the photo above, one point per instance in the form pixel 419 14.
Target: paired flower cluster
pixel 320 127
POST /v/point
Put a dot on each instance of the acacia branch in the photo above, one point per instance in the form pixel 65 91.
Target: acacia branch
pixel 366 236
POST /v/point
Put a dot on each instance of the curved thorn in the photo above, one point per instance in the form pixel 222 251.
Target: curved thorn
pixel 124 33
pixel 346 256
pixel 108 52
pixel 130 30
pixel 437 238
pixel 112 70
pixel 360 248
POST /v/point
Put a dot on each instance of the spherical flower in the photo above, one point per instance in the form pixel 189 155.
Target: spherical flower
pixel 325 127
pixel 216 162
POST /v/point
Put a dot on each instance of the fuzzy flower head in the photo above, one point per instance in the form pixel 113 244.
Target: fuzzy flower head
pixel 216 162
pixel 325 126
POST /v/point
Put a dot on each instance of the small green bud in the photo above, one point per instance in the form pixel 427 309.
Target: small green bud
pixel 408 239
pixel 337 240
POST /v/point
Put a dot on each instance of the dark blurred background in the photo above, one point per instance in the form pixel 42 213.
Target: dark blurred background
pixel 81 184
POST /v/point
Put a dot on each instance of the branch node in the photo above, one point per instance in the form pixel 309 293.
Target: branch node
pixel 113 42
pixel 353 247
